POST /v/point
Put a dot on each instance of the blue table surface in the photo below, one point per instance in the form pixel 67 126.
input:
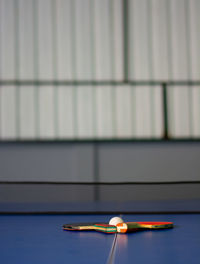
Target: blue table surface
pixel 40 239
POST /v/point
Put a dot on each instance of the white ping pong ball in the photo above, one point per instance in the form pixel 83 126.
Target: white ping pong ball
pixel 115 220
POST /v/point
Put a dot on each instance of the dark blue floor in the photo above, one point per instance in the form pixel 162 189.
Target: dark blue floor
pixel 40 239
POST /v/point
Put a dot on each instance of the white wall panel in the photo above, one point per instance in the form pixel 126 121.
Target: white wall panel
pixel 195 105
pixel 143 114
pixel 46 112
pixel 103 46
pixel 104 112
pixel 27 112
pixel 118 42
pixel 85 112
pixel 66 117
pixel 160 23
pixel 64 40
pixel 157 115
pixel 108 39
pixel 7 40
pixel 179 105
pixel 78 40
pixel 138 30
pixel 164 39
pixel 194 36
pixel 26 40
pixel 45 40
pixel 8 112
pixel 83 43
pixel 123 111
pixel 180 40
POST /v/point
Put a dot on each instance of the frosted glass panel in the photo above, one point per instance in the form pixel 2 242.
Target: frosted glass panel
pixel 195 111
pixel 123 111
pixel 66 114
pixel 63 14
pixel 8 112
pixel 27 112
pixel 143 114
pixel 164 40
pixel 194 36
pixel 104 112
pixel 46 112
pixel 7 40
pixel 180 40
pixel 45 40
pixel 87 69
pixel 26 40
pixel 85 112
pixel 180 111
pixel 139 40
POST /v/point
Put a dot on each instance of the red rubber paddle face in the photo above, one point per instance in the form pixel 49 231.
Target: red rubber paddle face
pixel 156 225
pixel 134 226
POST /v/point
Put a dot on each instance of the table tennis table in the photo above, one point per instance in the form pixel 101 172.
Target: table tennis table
pixel 32 233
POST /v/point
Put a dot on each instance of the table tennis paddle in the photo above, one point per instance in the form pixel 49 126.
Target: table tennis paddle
pixel 119 228
pixel 102 227
pixel 135 226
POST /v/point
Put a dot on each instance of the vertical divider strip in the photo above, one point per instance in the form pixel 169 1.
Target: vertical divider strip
pixel 54 51
pixel 17 87
pixel 73 62
pixel 165 112
pixel 126 39
pixel 36 68
pixel 189 64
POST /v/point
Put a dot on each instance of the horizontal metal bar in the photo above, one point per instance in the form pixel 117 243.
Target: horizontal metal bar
pixel 96 83
pixel 114 212
pixel 98 141
pixel 99 183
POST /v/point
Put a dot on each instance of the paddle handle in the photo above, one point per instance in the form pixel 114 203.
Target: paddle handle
pixel 127 227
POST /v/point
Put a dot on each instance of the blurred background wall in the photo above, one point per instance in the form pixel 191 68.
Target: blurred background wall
pixel 94 90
